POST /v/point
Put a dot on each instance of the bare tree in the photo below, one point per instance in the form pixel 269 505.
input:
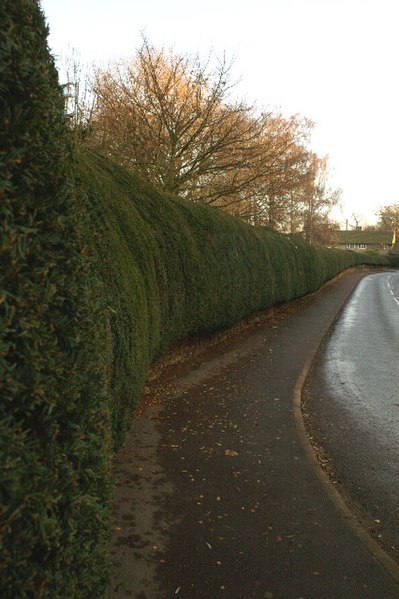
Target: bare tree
pixel 265 178
pixel 318 198
pixel 356 219
pixel 388 218
pixel 170 118
pixel 79 97
pixel 285 167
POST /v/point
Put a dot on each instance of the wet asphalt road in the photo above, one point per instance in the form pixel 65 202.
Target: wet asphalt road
pixel 353 396
pixel 215 495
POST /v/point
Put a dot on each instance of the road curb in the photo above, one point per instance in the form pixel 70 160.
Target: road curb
pixel 389 564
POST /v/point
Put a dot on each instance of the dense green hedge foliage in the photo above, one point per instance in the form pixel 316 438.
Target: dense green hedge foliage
pixel 393 260
pixel 174 269
pixel 54 440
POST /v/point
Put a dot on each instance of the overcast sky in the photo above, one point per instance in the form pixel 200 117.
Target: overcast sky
pixel 334 61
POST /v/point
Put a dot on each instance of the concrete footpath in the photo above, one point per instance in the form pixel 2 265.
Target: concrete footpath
pixel 216 492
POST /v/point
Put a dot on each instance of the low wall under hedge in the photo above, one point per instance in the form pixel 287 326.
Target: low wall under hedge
pixel 173 269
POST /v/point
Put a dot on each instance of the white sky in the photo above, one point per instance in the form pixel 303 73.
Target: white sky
pixel 334 61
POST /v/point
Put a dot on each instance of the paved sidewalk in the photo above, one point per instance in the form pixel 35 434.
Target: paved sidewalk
pixel 215 494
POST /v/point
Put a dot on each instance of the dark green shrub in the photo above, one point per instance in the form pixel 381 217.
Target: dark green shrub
pixel 393 260
pixel 54 426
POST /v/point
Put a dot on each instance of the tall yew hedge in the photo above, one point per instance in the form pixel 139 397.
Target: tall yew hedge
pixel 172 269
pixel 54 427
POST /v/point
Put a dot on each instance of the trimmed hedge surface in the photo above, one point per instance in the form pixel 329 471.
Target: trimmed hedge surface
pixel 54 422
pixel 393 260
pixel 174 270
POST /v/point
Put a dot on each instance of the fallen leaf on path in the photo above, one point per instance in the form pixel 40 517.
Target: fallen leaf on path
pixel 231 452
